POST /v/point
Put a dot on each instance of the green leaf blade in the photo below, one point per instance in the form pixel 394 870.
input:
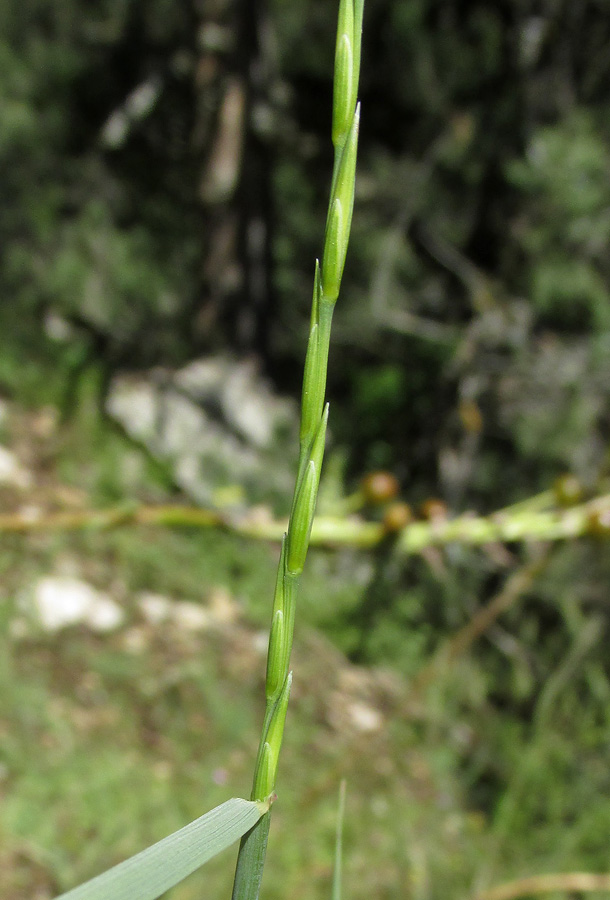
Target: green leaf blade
pixel 155 870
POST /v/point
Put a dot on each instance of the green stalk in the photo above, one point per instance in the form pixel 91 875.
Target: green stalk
pixel 314 417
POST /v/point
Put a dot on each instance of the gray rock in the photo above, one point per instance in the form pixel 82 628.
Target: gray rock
pixel 217 424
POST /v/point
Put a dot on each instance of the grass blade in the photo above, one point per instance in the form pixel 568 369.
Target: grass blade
pixel 150 873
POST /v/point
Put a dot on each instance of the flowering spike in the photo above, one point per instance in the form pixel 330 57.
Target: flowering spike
pixel 278 597
pixel 343 97
pixel 334 253
pixel 339 220
pixel 346 114
pixel 357 44
pixel 263 783
pixel 276 655
pixel 346 179
pixel 311 383
pixel 301 521
pixel 317 449
pixel 345 19
pixel 276 728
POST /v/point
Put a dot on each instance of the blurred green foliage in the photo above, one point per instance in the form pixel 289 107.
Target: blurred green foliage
pixel 480 228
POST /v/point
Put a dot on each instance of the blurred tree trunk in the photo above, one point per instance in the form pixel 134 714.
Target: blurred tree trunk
pixel 232 80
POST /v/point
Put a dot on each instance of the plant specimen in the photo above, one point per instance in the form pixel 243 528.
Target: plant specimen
pixel 314 418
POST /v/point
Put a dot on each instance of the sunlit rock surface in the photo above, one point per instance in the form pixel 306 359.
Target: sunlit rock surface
pixel 216 423
pixel 59 602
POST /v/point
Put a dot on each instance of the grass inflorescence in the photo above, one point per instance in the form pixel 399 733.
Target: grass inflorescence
pixel 314 420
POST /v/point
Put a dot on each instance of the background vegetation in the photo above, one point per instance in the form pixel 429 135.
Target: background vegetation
pixel 166 169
